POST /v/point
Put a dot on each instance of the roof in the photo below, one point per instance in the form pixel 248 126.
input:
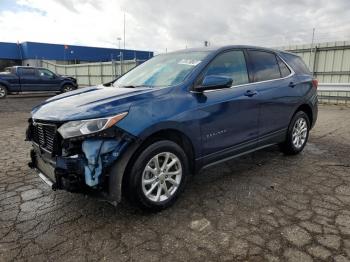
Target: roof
pixel 34 50
pixel 9 51
pixel 222 48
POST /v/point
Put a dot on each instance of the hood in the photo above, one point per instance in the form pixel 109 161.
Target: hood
pixel 67 77
pixel 90 102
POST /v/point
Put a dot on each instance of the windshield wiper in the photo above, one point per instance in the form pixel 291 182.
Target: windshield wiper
pixel 132 86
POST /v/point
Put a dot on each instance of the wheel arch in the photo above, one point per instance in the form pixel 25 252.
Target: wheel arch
pixel 171 134
pixel 66 82
pixel 4 84
pixel 308 111
pixel 123 166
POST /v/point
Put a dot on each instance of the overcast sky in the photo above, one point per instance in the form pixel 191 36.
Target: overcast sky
pixel 174 24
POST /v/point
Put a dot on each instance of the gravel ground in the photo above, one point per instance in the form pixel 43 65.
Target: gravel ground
pixel 260 207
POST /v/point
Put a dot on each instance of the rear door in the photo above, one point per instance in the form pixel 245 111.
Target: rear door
pixel 48 81
pixel 275 82
pixel 231 114
pixel 28 78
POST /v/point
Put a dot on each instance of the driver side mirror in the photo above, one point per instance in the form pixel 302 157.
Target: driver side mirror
pixel 213 82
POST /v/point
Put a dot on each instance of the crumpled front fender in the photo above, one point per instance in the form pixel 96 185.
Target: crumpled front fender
pixel 118 171
pixel 100 154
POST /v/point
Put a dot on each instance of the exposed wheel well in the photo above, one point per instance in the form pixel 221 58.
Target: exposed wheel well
pixel 168 134
pixel 4 85
pixel 307 109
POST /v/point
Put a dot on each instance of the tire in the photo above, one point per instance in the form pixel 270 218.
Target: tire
pixel 67 88
pixel 3 91
pixel 298 134
pixel 138 186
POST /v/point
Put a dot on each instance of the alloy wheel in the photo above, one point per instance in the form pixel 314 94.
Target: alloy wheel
pixel 161 177
pixel 67 89
pixel 299 133
pixel 2 91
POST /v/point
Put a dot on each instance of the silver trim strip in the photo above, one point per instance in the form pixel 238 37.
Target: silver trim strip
pixel 45 178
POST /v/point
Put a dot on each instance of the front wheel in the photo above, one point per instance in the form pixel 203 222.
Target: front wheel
pixel 158 176
pixel 67 88
pixel 298 134
pixel 3 92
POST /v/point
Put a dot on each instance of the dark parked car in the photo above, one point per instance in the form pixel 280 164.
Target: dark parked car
pixel 170 117
pixel 31 79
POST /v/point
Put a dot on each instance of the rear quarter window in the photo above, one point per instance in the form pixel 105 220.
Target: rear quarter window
pixel 283 67
pixel 297 63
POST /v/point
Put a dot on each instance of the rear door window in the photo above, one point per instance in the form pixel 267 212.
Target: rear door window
pixel 231 64
pixel 265 65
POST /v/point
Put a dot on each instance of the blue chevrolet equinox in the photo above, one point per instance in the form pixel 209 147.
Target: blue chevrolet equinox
pixel 144 134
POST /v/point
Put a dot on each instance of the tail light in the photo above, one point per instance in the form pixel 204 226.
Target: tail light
pixel 315 83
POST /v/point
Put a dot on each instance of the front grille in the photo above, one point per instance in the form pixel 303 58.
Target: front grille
pixel 44 135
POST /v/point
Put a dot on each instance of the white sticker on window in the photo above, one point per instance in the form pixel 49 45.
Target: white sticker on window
pixel 190 62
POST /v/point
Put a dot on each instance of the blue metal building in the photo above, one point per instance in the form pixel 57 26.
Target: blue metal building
pixel 67 53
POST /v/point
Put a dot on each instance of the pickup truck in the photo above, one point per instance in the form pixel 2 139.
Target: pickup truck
pixel 20 79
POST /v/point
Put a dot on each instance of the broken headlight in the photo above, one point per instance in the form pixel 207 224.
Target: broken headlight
pixel 90 126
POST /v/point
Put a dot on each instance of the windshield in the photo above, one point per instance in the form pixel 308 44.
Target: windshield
pixel 162 70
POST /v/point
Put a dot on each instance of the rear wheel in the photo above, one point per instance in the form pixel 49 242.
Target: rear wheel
pixel 67 88
pixel 3 91
pixel 298 134
pixel 158 176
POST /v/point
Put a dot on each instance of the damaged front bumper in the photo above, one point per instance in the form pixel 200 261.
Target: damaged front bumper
pixel 80 164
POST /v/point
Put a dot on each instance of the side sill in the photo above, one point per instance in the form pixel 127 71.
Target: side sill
pixel 235 156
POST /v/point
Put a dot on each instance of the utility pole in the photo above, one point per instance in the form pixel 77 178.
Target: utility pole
pixel 124 30
pixel 120 55
pixel 312 44
pixel 119 39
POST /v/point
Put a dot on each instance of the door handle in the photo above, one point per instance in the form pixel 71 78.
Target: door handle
pixel 251 93
pixel 291 84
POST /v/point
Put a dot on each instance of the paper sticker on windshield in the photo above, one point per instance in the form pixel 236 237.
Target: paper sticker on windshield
pixel 190 62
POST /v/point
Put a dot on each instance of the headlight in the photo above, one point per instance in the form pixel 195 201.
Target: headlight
pixel 85 127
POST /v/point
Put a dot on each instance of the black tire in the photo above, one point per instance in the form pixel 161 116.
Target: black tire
pixel 67 88
pixel 289 147
pixel 3 91
pixel 133 186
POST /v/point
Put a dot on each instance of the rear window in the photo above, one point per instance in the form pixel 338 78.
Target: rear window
pixel 265 65
pixel 27 71
pixel 296 63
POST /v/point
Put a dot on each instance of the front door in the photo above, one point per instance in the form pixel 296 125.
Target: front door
pixel 48 80
pixel 229 116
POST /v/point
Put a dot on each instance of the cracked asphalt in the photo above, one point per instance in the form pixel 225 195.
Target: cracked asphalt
pixel 260 207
